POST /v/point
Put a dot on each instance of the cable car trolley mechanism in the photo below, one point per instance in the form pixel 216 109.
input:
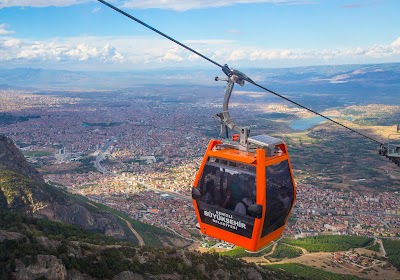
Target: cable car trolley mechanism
pixel 244 190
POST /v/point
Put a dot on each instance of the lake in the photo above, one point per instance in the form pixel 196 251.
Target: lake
pixel 304 124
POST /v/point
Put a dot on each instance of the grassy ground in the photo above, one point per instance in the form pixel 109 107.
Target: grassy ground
pixel 239 252
pixel 308 272
pixel 329 243
pixel 37 153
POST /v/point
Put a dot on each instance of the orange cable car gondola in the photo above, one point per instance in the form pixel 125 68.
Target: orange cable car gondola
pixel 244 190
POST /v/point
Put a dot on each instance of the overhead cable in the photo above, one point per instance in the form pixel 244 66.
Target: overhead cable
pixel 224 68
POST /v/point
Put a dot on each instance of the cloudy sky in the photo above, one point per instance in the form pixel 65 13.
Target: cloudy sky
pixel 87 35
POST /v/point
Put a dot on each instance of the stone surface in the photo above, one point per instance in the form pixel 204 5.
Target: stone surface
pixel 45 266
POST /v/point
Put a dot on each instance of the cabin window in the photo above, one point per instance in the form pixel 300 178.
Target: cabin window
pixel 228 184
pixel 227 190
pixel 280 194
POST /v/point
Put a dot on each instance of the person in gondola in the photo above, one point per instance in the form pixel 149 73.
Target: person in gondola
pixel 208 183
pixel 208 196
pixel 248 198
pixel 284 198
pixel 233 192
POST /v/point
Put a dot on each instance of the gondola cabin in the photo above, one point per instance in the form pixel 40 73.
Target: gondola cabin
pixel 244 196
pixel 391 149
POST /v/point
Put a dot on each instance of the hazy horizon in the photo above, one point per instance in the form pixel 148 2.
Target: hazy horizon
pixel 86 35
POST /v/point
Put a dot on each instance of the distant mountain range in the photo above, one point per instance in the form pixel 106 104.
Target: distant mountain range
pixel 368 78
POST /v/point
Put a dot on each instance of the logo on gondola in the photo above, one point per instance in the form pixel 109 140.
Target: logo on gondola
pixel 224 219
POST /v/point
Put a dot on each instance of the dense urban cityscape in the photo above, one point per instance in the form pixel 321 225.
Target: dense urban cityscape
pixel 138 152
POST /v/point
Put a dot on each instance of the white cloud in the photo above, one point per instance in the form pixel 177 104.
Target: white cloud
pixel 58 51
pixel 4 29
pixel 152 52
pixel 96 10
pixel 350 54
pixel 40 3
pixel 238 55
pixel 81 52
pixel 11 43
pixel 396 44
pixel 179 5
pixel 171 57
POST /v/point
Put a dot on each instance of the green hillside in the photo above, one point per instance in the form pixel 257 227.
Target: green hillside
pixel 239 252
pixel 329 243
pixel 19 192
pixel 25 242
pixel 286 251
pixel 392 248
pixel 310 273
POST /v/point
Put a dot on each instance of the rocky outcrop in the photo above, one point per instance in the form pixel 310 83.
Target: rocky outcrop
pixel 128 275
pixel 46 266
pixel 12 159
pixel 33 250
pixel 79 215
pixel 9 235
pixel 22 188
pixel 76 275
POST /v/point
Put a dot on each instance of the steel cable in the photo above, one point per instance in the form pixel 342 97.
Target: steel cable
pixel 224 68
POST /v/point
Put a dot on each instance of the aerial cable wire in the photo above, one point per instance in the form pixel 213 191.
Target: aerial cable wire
pixel 312 111
pixel 225 68
pixel 159 32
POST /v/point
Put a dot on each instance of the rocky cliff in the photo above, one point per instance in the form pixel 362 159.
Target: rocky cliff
pixel 22 188
pixel 12 159
pixel 33 249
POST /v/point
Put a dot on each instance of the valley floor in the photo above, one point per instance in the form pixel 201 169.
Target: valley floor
pixel 330 262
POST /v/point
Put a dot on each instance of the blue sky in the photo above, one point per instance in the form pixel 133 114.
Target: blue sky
pixel 86 35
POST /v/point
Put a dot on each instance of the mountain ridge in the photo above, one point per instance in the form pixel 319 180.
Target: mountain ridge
pixel 12 159
pixel 376 76
pixel 22 188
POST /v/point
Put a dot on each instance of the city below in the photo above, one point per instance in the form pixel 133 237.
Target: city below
pixel 138 151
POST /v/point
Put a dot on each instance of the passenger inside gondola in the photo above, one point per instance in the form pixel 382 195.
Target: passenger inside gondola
pixel 209 193
pixel 227 186
pixel 248 194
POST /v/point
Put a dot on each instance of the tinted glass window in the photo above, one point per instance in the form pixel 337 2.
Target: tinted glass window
pixel 227 189
pixel 229 185
pixel 280 195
